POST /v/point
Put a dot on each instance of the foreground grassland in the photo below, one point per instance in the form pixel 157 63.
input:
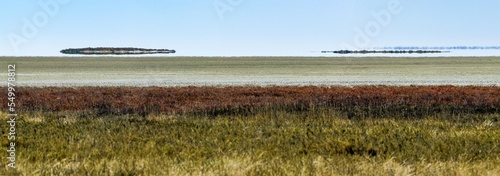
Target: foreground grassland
pixel 202 71
pixel 245 130
pixel 314 142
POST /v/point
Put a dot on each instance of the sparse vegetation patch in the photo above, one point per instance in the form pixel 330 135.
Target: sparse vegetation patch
pixel 367 130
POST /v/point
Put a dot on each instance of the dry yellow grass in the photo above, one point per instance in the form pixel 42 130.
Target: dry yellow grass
pixel 234 165
pixel 271 143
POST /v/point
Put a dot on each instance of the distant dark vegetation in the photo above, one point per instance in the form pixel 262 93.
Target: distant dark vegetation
pixel 383 51
pixel 115 51
pixel 412 49
pixel 439 48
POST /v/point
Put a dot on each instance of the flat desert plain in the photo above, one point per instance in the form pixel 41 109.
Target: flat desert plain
pixel 260 71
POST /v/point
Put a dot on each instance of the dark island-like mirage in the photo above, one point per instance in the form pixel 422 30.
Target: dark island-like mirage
pixel 115 51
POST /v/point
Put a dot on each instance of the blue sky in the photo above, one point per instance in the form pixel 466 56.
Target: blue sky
pixel 243 27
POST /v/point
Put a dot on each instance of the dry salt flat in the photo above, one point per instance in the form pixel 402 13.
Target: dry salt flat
pixel 261 71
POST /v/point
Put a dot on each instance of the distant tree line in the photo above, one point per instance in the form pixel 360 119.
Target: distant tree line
pixel 115 51
pixel 382 52
pixel 439 48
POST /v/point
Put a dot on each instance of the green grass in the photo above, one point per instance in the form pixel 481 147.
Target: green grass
pixel 316 142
